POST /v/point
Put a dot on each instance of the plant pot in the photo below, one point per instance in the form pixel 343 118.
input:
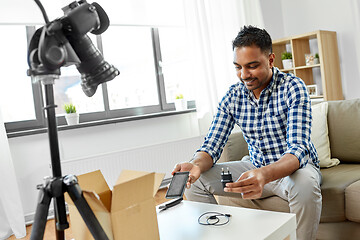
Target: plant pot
pixel 180 104
pixel 72 118
pixel 287 63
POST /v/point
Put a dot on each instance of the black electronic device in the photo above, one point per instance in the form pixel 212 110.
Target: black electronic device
pixel 177 185
pixel 170 204
pixel 226 177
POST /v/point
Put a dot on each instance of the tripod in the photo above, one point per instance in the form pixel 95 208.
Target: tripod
pixel 55 187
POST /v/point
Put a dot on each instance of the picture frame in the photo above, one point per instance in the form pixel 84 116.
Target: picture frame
pixel 312 89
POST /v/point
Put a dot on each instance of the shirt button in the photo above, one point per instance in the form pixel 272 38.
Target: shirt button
pixel 260 138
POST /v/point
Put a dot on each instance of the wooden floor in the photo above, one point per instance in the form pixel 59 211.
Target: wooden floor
pixel 50 226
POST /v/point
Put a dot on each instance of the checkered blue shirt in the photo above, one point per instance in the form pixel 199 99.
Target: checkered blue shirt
pixel 279 123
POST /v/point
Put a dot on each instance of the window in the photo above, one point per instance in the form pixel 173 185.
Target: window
pixel 130 50
pixel 67 89
pixel 153 68
pixel 176 63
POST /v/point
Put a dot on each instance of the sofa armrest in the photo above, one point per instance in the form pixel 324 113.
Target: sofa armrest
pixel 235 149
pixel 344 130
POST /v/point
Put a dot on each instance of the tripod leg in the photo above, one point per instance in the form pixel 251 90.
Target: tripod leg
pixel 57 190
pixel 60 234
pixel 83 207
pixel 61 222
pixel 41 214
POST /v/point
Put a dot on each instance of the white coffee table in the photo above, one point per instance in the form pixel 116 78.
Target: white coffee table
pixel 181 223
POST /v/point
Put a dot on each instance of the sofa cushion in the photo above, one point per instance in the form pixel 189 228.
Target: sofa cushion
pixel 338 231
pixel 320 137
pixel 352 202
pixel 344 129
pixel 335 181
pixel 236 147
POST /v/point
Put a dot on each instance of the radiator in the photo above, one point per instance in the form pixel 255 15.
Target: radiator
pixel 160 158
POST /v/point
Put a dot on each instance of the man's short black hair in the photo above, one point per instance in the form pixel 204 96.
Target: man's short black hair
pixel 250 35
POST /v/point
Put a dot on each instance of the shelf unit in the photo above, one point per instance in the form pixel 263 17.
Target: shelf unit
pixel 325 75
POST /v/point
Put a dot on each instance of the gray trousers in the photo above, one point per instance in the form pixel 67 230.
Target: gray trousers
pixel 301 189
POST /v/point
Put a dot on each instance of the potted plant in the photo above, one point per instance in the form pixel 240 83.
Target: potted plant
pixel 286 58
pixel 317 59
pixel 180 102
pixel 71 116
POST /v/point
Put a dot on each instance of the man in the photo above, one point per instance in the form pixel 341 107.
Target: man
pixel 273 110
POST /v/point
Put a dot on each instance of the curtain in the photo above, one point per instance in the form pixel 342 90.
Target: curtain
pixel 212 26
pixel 11 212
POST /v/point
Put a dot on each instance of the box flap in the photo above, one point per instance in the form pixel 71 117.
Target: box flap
pixel 95 181
pixel 127 175
pixel 136 190
pixel 94 202
pixel 158 180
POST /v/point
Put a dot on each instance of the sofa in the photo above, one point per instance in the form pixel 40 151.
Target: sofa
pixel 340 217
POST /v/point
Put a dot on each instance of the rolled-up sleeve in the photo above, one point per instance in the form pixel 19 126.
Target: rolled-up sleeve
pixel 219 131
pixel 299 122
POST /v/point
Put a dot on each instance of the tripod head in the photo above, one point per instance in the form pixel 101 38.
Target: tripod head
pixel 64 42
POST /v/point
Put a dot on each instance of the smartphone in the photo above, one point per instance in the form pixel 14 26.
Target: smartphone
pixel 177 185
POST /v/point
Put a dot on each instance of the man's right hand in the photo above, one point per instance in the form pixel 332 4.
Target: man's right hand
pixel 194 171
pixel 200 163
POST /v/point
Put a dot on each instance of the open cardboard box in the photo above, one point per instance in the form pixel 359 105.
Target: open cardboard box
pixel 126 212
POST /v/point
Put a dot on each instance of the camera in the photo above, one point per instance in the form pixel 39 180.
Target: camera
pixel 64 42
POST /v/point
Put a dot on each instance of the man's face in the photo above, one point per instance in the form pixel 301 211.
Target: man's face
pixel 253 67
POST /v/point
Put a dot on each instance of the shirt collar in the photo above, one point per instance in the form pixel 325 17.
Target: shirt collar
pixel 275 76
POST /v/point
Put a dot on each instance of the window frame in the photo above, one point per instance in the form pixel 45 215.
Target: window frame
pixel 38 125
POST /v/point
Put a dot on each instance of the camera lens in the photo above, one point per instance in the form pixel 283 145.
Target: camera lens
pixel 93 68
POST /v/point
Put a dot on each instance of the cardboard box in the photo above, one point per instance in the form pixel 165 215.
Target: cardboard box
pixel 126 212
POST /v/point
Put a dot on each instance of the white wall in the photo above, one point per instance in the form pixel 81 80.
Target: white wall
pixel 303 16
pixel 273 17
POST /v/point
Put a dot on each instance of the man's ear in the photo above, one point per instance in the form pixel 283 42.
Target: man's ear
pixel 271 59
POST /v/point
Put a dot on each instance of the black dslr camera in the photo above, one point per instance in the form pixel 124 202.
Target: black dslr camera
pixel 64 42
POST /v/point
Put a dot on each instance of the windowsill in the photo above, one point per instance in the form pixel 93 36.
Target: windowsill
pixel 99 123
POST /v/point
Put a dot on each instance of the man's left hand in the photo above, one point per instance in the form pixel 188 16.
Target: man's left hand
pixel 250 184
